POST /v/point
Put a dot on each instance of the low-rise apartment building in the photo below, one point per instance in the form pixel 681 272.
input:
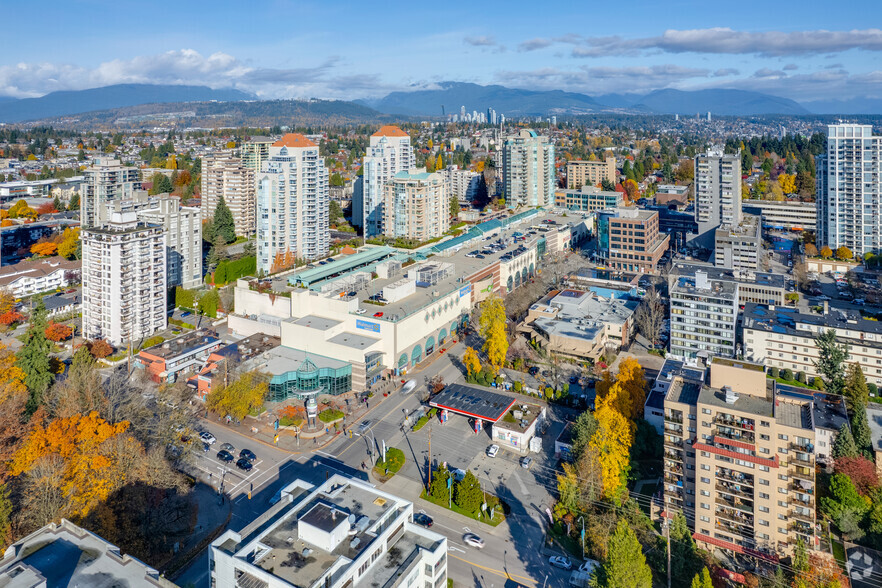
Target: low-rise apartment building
pixel 165 362
pixel 582 172
pixel 704 313
pixel 342 533
pixel 739 459
pixel 629 239
pixel 39 275
pixel 784 338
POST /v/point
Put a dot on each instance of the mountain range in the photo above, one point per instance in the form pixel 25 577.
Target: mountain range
pixel 76 101
pixel 124 101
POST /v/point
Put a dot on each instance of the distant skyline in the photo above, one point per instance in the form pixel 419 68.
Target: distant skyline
pixel 807 50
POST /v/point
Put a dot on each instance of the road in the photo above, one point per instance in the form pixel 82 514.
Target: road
pixel 514 551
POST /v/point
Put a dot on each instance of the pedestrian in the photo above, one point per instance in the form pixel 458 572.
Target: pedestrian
pixel 315 440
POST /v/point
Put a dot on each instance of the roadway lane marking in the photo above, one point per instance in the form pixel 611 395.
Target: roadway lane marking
pixel 326 454
pixel 452 548
pixel 500 573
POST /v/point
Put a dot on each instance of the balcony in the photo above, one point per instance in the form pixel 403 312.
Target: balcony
pixel 670 418
pixel 735 422
pixel 734 516
pixel 673 478
pixel 727 527
pixel 802 529
pixel 806 500
pixel 674 468
pixel 803 473
pixel 674 455
pixel 678 445
pixel 731 489
pixel 674 429
pixel 805 518
pixel 736 477
pixel 803 447
pixel 800 461
pixel 734 504
pixel 735 434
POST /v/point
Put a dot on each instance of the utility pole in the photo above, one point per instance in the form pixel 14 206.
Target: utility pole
pixel 428 488
pixel 668 537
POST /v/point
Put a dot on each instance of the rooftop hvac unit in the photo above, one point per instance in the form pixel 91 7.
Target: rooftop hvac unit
pixel 731 396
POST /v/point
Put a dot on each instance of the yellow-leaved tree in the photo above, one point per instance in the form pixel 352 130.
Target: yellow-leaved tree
pixel 11 377
pixel 241 397
pixel 83 454
pixel 612 443
pixel 70 238
pixel 632 381
pixel 788 183
pixel 471 361
pixel 492 327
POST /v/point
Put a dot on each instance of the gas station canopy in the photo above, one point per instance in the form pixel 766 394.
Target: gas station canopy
pixel 473 401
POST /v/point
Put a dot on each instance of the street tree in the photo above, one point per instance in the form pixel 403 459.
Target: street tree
pixel 492 327
pixel 650 315
pixel 625 566
pixel 471 361
pixel 467 493
pixel 243 396
pixel 612 443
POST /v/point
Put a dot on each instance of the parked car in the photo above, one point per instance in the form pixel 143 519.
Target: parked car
pixel 224 455
pixel 492 450
pixel 526 462
pixel 823 298
pixel 423 520
pixel 360 310
pixel 247 454
pixel 859 301
pixel 378 314
pixel 207 437
pixel 228 446
pixel 559 561
pixel 533 371
pixel 244 464
pixel 473 540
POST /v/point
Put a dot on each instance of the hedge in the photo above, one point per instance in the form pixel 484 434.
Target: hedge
pixel 230 271
pixel 330 415
pixel 152 341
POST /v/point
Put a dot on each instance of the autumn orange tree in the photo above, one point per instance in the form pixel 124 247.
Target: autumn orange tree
pixel 11 317
pixel 11 377
pixel 83 454
pixel 45 248
pixel 58 332
pixel 99 348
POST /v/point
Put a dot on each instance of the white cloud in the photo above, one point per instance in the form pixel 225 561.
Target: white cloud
pixel 185 66
pixel 481 41
pixel 722 40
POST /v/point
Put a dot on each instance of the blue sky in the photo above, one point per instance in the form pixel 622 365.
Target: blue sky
pixel 805 50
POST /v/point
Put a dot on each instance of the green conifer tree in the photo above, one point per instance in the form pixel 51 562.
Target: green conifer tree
pixel 223 223
pixel 33 359
pixel 844 446
pixel 625 566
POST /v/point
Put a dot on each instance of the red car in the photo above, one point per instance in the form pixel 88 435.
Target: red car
pixel 378 314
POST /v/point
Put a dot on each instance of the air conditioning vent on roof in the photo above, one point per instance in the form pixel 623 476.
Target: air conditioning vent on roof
pixel 731 396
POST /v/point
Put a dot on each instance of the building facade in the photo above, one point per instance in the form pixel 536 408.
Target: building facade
pixel 182 228
pixel 788 215
pixel 591 173
pixel 463 183
pixel 528 176
pixel 343 532
pixel 588 199
pixel 255 151
pixel 740 247
pixel 106 180
pixel 717 193
pixel 228 176
pixel 389 153
pixel 849 189
pixel 784 338
pixel 124 280
pixel 39 275
pixel 416 205
pixel 292 203
pixel 704 313
pixel 739 459
pixel 629 239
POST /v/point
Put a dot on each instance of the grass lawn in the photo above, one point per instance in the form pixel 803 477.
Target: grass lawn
pixel 384 470
pixel 498 517
pixel 838 551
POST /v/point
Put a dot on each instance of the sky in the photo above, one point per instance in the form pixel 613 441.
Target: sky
pixel 806 50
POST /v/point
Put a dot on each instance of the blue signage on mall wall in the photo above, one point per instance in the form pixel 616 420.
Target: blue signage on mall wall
pixel 374 327
pixel 465 290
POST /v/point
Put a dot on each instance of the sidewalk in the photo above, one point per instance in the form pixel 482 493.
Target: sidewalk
pixel 287 441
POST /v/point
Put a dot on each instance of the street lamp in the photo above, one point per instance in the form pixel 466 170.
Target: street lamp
pixel 583 536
